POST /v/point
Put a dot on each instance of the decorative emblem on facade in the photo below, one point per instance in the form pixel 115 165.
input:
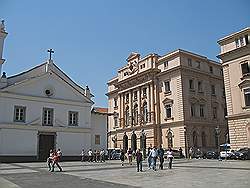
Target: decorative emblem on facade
pixel 132 67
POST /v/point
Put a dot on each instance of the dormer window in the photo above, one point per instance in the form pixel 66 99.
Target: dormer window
pixel 189 62
pixel 198 65
pixel 237 43
pixel 211 70
pixel 166 64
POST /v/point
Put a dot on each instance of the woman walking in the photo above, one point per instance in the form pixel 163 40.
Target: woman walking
pixel 170 158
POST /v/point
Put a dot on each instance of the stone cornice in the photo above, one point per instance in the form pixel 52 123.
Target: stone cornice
pixel 45 128
pixel 239 116
pixel 43 99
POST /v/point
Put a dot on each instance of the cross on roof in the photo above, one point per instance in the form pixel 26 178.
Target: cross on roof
pixel 50 52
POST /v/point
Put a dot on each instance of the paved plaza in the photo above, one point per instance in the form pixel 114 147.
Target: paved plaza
pixel 185 174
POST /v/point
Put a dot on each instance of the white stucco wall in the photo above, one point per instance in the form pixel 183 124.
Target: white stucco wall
pixel 99 127
pixel 18 142
pixel 71 144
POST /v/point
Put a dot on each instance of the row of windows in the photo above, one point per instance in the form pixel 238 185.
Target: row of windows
pixel 194 110
pixel 241 41
pixel 47 116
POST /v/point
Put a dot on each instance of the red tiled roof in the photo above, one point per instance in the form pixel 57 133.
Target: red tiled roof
pixel 100 110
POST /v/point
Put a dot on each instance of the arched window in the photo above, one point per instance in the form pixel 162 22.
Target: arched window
pixel 203 139
pixel 135 116
pixel 127 116
pixel 133 142
pixel 145 112
pixel 195 139
pixel 170 139
pixel 125 142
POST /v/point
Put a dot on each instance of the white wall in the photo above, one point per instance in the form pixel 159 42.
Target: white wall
pixel 71 144
pixel 99 127
pixel 18 142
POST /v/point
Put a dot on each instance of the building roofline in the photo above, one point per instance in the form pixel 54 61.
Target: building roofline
pixel 220 41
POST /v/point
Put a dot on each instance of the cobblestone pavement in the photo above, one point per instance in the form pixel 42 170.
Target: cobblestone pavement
pixel 185 174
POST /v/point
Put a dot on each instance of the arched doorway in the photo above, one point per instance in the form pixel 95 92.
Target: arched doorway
pixel 203 139
pixel 195 137
pixel 133 141
pixel 125 142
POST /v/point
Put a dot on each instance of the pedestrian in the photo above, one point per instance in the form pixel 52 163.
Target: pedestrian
pixel 153 155
pixel 122 157
pixel 59 153
pixel 82 155
pixel 50 159
pixel 130 156
pixel 170 158
pixel 161 157
pixel 180 153
pixel 190 152
pixel 90 155
pixel 149 157
pixel 102 155
pixel 55 159
pixel 139 160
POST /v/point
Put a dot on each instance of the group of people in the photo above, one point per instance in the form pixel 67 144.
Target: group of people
pixel 153 154
pixel 55 156
pixel 94 156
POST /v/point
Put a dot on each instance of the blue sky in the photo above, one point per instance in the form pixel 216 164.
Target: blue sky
pixel 92 39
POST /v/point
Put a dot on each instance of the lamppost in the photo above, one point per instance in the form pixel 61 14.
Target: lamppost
pixel 186 144
pixel 217 132
pixel 143 143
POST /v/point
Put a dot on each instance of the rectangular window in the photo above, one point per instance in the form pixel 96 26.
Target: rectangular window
pixel 115 102
pixel 168 111
pixel 225 112
pixel 221 72
pixel 245 68
pixel 19 113
pixel 127 98
pixel 212 89
pixel 193 110
pixel 73 118
pixel 48 116
pixel 167 86
pixel 166 64
pixel 201 110
pixel 214 112
pixel 142 66
pixel 135 95
pixel 237 43
pixel 115 121
pixel 246 39
pixel 190 62
pixel 241 41
pixel 191 84
pixel 247 96
pixel 199 86
pixel 144 91
pixel 198 65
pixel 97 139
pixel 211 70
pixel 223 92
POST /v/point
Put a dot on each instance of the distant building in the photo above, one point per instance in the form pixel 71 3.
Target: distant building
pixel 43 109
pixel 176 100
pixel 99 122
pixel 235 59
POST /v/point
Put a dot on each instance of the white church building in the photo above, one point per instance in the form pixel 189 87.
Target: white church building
pixel 43 108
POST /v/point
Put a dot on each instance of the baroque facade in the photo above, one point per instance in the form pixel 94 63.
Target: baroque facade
pixel 176 100
pixel 235 59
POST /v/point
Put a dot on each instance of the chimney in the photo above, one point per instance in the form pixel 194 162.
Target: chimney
pixel 3 81
pixel 87 92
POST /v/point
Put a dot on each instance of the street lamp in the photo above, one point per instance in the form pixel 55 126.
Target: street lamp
pixel 186 144
pixel 217 132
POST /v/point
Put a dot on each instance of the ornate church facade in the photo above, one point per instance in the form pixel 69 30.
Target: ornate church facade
pixel 176 100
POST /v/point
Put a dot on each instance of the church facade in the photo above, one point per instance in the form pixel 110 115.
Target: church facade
pixel 176 100
pixel 42 109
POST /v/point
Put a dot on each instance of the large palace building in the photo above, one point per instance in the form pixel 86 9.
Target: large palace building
pixel 235 59
pixel 176 100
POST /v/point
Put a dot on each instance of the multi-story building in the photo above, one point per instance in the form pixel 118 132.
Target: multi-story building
pixel 235 59
pixel 176 100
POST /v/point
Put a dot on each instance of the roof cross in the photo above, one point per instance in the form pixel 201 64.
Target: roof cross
pixel 50 52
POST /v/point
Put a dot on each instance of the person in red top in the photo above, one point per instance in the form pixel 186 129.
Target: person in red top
pixel 56 158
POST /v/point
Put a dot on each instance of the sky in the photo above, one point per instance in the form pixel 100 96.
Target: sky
pixel 92 39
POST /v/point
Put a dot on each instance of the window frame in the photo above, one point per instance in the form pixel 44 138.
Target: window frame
pixel 52 116
pixel 97 139
pixel 73 113
pixel 15 119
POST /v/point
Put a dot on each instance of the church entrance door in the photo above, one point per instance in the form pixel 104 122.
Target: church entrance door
pixel 46 142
